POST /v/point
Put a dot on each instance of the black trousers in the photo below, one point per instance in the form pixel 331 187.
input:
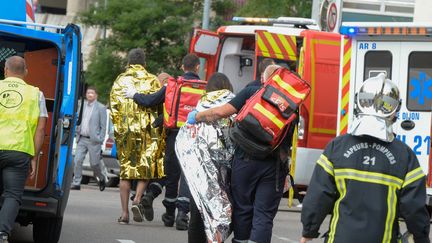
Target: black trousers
pixel 255 198
pixel 174 197
pixel 196 233
pixel 14 167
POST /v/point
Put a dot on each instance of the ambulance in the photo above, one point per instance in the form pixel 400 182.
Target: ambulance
pixel 402 51
pixel 297 43
pixel 54 63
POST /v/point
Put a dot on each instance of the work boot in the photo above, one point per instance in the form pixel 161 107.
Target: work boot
pixel 168 219
pixel 4 237
pixel 182 221
pixel 147 204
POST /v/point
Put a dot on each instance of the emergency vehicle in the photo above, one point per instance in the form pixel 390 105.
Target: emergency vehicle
pixel 403 51
pixel 297 43
pixel 53 57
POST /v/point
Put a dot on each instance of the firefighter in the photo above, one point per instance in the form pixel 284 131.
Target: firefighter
pixel 261 67
pixel 367 178
pixel 22 106
pixel 175 196
pixel 253 180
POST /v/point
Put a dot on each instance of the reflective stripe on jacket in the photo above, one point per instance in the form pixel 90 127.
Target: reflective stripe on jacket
pixel 19 115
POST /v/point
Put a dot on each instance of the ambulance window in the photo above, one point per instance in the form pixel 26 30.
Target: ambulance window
pixel 377 62
pixel 419 81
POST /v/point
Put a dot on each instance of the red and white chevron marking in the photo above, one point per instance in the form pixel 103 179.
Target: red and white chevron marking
pixel 30 17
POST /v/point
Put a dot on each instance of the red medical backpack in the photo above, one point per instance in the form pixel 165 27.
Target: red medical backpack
pixel 264 120
pixel 181 97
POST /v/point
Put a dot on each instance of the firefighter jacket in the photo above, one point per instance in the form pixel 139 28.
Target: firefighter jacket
pixel 19 115
pixel 366 184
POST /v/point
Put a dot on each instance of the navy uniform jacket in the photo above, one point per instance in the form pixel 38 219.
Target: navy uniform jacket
pixel 149 100
pixel 366 184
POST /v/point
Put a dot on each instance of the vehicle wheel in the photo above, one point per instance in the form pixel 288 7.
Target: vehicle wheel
pixel 112 182
pixel 47 230
pixel 85 180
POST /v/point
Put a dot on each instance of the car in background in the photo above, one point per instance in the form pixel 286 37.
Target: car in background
pixel 109 160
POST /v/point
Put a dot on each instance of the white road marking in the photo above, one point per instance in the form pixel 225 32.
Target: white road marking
pixel 285 239
pixel 125 241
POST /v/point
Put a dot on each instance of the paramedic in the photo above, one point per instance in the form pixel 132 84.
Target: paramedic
pixel 254 194
pixel 175 196
pixel 22 106
pixel 261 67
pixel 367 178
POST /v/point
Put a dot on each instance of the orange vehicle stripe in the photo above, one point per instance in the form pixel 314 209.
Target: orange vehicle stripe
pixel 273 45
pixel 284 50
pixel 346 73
pixel 287 46
pixel 268 45
pixel 263 51
pixel 292 42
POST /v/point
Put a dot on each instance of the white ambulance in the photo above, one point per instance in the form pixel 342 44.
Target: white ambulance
pixel 403 51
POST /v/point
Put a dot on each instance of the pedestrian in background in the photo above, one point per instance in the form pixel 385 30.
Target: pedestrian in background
pixel 368 179
pixel 139 145
pixel 90 135
pixel 175 196
pixel 23 117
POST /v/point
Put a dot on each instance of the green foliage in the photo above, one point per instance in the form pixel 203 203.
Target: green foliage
pixel 103 70
pixel 276 8
pixel 160 27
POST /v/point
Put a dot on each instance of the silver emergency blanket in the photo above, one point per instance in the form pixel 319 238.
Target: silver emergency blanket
pixel 205 152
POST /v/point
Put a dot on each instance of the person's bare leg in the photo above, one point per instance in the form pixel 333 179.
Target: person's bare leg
pixel 141 186
pixel 125 186
pixel 137 209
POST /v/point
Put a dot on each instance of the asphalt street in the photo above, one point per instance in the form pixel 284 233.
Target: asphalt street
pixel 91 217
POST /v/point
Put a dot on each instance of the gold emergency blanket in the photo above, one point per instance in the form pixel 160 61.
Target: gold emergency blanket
pixel 205 152
pixel 140 147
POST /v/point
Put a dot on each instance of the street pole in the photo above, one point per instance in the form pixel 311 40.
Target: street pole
pixel 205 26
pixel 206 15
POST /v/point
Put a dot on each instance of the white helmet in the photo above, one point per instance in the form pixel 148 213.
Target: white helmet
pixel 376 103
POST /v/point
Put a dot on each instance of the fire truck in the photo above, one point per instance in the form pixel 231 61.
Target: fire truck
pixel 402 51
pixel 297 43
pixel 53 58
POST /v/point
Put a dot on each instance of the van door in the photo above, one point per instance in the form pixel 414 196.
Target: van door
pixel 205 44
pixel 408 65
pixel 414 118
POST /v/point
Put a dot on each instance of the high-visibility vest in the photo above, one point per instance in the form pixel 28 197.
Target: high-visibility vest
pixel 19 115
pixel 265 119
pixel 181 97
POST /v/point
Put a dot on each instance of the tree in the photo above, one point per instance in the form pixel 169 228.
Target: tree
pixel 276 8
pixel 160 27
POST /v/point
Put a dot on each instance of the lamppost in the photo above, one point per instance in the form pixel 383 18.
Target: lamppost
pixel 205 26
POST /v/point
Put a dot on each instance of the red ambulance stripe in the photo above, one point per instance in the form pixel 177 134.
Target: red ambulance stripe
pixel 284 51
pixel 261 52
pixel 269 47
pixel 292 44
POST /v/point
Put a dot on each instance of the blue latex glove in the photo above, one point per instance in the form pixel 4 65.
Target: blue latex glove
pixel 191 118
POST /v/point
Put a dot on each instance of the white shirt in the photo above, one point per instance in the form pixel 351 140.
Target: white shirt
pixel 42 106
pixel 88 109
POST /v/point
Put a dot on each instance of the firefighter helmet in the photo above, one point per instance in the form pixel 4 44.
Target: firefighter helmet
pixel 376 104
pixel 378 96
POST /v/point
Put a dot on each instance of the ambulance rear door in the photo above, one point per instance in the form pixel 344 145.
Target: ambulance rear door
pixel 205 44
pixel 408 65
pixel 415 85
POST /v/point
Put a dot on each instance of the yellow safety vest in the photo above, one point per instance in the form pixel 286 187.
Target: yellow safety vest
pixel 19 115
